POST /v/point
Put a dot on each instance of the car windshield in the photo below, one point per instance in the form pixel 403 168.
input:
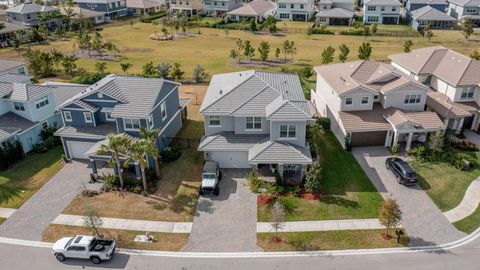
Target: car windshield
pixel 69 242
pixel 209 176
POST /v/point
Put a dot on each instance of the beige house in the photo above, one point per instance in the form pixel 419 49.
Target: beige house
pixel 258 10
pixel 374 103
pixel 454 79
pixel 142 7
pixel 187 7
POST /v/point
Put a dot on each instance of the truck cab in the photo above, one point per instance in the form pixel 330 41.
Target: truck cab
pixel 84 247
pixel 211 175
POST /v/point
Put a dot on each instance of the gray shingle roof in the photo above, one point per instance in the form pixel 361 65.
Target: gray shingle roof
pixel 11 123
pixel 428 13
pixel 86 105
pixel 14 77
pixel 279 152
pixel 429 2
pixel 281 109
pixel 6 64
pixel 254 8
pixel 183 102
pixel 27 8
pixel 335 13
pixel 383 3
pixel 228 141
pixel 6 133
pixel 27 92
pixel 466 3
pixel 99 132
pixel 65 91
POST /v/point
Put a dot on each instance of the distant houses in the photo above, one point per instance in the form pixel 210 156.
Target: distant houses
pixel 257 10
pixel 28 14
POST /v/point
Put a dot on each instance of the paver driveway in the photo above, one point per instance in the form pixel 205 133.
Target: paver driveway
pixel 33 217
pixel 227 222
pixel 424 222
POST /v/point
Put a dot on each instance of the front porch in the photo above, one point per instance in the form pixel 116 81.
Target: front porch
pixel 287 174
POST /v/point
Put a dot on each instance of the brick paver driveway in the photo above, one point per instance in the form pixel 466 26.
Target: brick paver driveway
pixel 424 222
pixel 33 217
pixel 227 222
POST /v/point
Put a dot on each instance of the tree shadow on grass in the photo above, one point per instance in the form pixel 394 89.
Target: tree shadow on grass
pixel 339 201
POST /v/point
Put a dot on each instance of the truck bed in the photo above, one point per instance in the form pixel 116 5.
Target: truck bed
pixel 101 245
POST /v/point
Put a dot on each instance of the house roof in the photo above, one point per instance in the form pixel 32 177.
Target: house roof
pixel 336 1
pixel 429 2
pixel 98 132
pixel 23 91
pixel 228 141
pixel 142 4
pixel 6 64
pixel 279 152
pixel 15 77
pixel 64 91
pixel 254 8
pixel 466 3
pixel 422 119
pixel 11 27
pixel 382 3
pixel 81 12
pixel 86 105
pixel 183 102
pixel 295 1
pixel 428 13
pixel 444 106
pixel 452 67
pixel 11 123
pixel 27 8
pixel 335 13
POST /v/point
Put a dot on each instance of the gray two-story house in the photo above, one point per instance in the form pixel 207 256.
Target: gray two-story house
pixel 119 105
pixel 256 119
pixel 465 10
pixel 111 9
pixel 27 14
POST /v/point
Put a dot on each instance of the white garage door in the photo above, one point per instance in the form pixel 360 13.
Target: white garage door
pixel 78 149
pixel 230 159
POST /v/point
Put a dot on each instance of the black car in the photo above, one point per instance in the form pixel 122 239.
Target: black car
pixel 403 172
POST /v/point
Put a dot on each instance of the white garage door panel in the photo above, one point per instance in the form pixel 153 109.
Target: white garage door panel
pixel 230 159
pixel 78 149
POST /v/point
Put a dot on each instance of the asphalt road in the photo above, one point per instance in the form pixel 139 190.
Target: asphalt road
pixel 465 257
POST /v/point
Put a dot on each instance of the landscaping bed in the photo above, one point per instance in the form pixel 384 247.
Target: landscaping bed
pixel 470 223
pixel 124 238
pixel 328 240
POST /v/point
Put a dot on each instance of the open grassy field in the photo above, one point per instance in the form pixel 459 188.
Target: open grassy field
pixel 30 174
pixel 211 48
pixel 124 238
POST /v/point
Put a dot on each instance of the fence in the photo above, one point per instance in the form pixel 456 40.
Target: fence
pixel 185 143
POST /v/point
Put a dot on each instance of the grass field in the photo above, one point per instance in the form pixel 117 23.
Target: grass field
pixel 30 174
pixel 328 240
pixel 211 48
pixel 470 223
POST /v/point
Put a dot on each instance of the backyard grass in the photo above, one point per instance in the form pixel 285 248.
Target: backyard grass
pixel 470 223
pixel 347 192
pixel 328 240
pixel 30 174
pixel 124 238
pixel 445 184
pixel 212 47
pixel 2 220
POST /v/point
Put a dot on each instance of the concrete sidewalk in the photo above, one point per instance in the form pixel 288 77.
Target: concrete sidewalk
pixel 323 225
pixel 6 212
pixel 468 205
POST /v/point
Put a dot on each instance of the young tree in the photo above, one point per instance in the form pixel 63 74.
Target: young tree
pixel 366 31
pixel 248 50
pixel 163 70
pixel 97 43
pixel 253 26
pixel 270 23
pixel 436 142
pixel 92 220
pixel 364 51
pixel 313 179
pixel 373 28
pixel 151 136
pixel 138 152
pixel 125 66
pixel 116 145
pixel 467 28
pixel 288 47
pixel 390 214
pixel 306 72
pixel 327 55
pixel 407 45
pixel 111 48
pixel 177 73
pixel 199 74
pixel 264 50
pixel 240 47
pixel 234 55
pixel 475 55
pixel 57 57
pixel 149 70
pixel 69 63
pixel 278 218
pixel 277 53
pixel 344 51
pixel 428 33
pixel 101 67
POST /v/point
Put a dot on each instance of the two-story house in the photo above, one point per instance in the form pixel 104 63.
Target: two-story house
pixel 256 119
pixel 8 66
pixel 335 12
pixel 257 10
pixel 428 16
pixel 111 9
pixel 295 10
pixel 219 7
pixel 95 17
pixel 119 105
pixel 372 103
pixel 142 7
pixel 411 5
pixel 27 14
pixel 465 9
pixel 381 11
pixel 187 7
pixel 454 78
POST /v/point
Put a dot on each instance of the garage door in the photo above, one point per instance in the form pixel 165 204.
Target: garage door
pixel 230 159
pixel 78 149
pixel 375 138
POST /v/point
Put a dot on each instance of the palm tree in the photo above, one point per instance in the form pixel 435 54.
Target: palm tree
pixel 138 154
pixel 151 136
pixel 117 145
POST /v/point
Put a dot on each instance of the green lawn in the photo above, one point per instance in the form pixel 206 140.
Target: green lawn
pixel 470 223
pixel 30 174
pixel 346 191
pixel 2 220
pixel 328 240
pixel 445 184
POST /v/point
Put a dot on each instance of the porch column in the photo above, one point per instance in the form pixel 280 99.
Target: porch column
pixel 409 141
pixel 445 122
pixel 93 165
pixel 138 173
pixel 388 139
pixel 474 122
pixel 455 124
pixel 459 127
pixel 395 138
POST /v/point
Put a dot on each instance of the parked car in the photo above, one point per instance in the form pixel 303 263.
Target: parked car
pixel 404 173
pixel 210 177
pixel 84 247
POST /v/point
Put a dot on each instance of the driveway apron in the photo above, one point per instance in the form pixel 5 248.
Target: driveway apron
pixel 422 219
pixel 33 217
pixel 228 222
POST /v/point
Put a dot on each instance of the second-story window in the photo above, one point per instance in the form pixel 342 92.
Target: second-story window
pixel 301 6
pixel 214 120
pixel 394 8
pixel 88 117
pixel 253 122
pixel 132 124
pixel 348 101
pixel 163 111
pixel 371 8
pixel 413 99
pixel 150 121
pixel 467 93
pixel 41 102
pixel 288 131
pixel 67 116
pixel 19 106
pixel 382 8
pixel 282 5
pixel 364 100
pixel 292 6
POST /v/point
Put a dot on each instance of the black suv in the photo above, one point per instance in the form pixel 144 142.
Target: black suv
pixel 403 172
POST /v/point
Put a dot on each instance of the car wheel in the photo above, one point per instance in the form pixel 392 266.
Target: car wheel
pixel 95 260
pixel 220 176
pixel 399 179
pixel 60 257
pixel 216 191
pixel 200 192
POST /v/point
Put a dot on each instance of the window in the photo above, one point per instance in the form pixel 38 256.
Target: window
pixel 75 248
pixel 21 70
pixel 288 131
pixel 28 17
pixel 348 101
pixel 394 8
pixel 467 93
pixel 382 8
pixel 427 80
pixel 100 95
pixel 371 8
pixel 292 6
pixel 373 19
pixel 88 117
pixel 41 102
pixel 284 16
pixel 163 111
pixel 150 121
pixel 132 124
pixel 214 120
pixel 364 100
pixel 253 122
pixel 282 6
pixel 223 4
pixel 108 116
pixel 301 6
pixel 413 99
pixel 67 116
pixel 18 106
pixel 44 124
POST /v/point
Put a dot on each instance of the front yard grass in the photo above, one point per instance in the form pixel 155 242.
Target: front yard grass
pixel 124 238
pixel 347 192
pixel 470 223
pixel 328 240
pixel 30 174
pixel 2 220
pixel 445 184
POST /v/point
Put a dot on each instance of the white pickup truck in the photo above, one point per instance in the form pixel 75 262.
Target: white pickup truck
pixel 84 247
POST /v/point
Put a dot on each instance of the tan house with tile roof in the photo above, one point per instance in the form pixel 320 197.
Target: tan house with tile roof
pixel 454 79
pixel 373 102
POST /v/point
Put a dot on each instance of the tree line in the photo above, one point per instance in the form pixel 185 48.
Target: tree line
pixel 245 48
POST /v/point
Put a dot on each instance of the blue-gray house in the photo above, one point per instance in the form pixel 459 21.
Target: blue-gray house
pixel 120 105
pixel 412 5
pixel 111 9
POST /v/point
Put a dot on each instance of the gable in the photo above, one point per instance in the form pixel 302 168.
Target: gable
pixel 358 91
pixel 408 88
pixel 94 96
pixel 73 107
pixel 257 104
pixel 166 89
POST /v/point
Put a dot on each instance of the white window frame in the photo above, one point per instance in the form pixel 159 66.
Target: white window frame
pixel 151 124
pixel 371 8
pixel 108 117
pixel 86 115
pixel 468 92
pixel 255 120
pixel 67 116
pixel 18 106
pixel 363 99
pixel 131 123
pixel 44 124
pixel 291 130
pixel 100 95
pixel 163 111
pixel 412 99
pixel 346 101
pixel 214 118
pixel 42 102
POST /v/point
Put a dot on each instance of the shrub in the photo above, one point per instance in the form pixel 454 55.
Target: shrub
pixel 313 178
pixel 324 122
pixel 171 153
pixel 40 147
pixel 289 204
pixel 322 30
pixel 353 32
pixel 276 190
pixel 294 191
pixel 151 17
pixel 348 142
pixel 254 181
pixel 89 78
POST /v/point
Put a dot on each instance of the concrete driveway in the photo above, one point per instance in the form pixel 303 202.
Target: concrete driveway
pixel 33 217
pixel 227 222
pixel 424 222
